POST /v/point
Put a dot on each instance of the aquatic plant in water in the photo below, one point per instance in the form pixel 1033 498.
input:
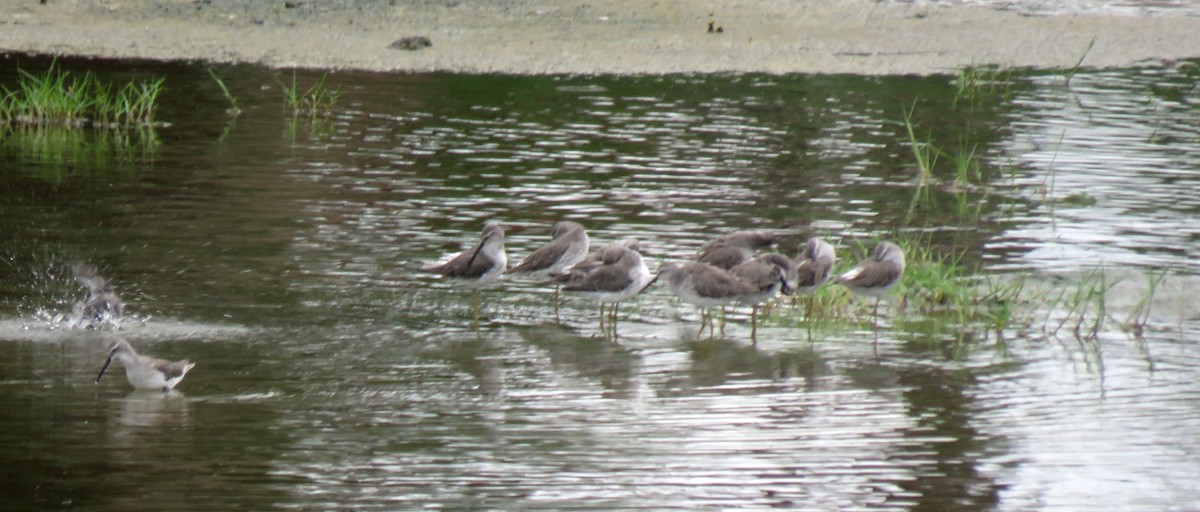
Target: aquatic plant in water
pixel 314 102
pixel 58 98
pixel 233 109
pixel 976 83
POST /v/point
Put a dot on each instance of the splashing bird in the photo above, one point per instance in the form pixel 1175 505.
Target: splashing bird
pixel 101 307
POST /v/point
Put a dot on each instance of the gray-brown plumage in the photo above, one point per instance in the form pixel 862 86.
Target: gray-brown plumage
pixel 620 276
pixel 594 260
pixel 813 265
pixel 876 275
pixel 568 245
pixel 480 265
pixel 101 307
pixel 728 251
pixel 770 274
pixel 705 286
pixel 144 372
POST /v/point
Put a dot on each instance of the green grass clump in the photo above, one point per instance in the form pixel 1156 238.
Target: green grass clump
pixel 314 102
pixel 58 98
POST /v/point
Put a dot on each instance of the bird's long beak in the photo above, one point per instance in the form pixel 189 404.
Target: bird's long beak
pixel 652 281
pixel 102 368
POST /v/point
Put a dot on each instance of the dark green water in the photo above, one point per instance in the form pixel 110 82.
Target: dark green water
pixel 280 256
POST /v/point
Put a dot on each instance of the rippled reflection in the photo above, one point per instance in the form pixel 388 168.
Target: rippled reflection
pixel 331 375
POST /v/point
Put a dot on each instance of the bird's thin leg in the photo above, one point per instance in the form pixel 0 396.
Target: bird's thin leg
pixel 556 317
pixel 808 315
pixel 478 299
pixel 754 325
pixel 876 319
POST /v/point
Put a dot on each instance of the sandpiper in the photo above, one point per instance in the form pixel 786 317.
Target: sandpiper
pixel 621 275
pixel 593 260
pixel 144 372
pixel 101 307
pixel 877 274
pixel 704 286
pixel 478 266
pixel 769 274
pixel 568 245
pixel 813 267
pixel 728 251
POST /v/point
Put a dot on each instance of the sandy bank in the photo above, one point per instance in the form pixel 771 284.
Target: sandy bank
pixel 597 36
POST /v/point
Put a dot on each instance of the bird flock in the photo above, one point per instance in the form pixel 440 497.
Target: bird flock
pixel 725 271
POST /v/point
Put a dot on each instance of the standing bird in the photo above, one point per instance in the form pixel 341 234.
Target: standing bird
pixel 728 251
pixel 593 261
pixel 813 267
pixel 101 307
pixel 704 286
pixel 620 275
pixel 145 372
pixel 876 275
pixel 478 266
pixel 770 274
pixel 568 245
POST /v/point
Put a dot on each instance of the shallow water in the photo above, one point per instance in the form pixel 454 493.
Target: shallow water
pixel 281 258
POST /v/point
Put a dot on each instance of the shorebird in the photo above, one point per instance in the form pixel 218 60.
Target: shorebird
pixel 478 266
pixel 620 275
pixel 568 245
pixel 728 251
pixel 769 274
pixel 704 286
pixel 813 267
pixel 101 307
pixel 144 372
pixel 593 261
pixel 877 274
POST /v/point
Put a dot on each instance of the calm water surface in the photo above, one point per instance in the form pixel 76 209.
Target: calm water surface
pixel 280 256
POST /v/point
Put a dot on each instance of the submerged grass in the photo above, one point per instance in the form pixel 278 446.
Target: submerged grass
pixel 974 84
pixel 54 153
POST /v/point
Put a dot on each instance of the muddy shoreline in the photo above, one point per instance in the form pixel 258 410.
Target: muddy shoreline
pixel 601 36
